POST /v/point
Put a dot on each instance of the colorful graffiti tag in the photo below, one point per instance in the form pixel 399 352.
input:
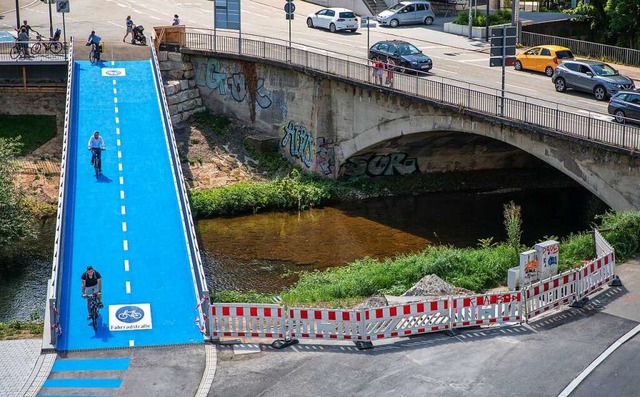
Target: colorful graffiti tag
pixel 372 164
pixel 325 159
pixel 300 142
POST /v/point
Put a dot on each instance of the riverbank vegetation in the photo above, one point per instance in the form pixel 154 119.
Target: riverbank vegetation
pixel 476 269
pixel 20 330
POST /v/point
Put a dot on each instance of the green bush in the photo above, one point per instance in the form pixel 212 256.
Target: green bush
pixel 500 17
pixel 33 130
pixel 294 191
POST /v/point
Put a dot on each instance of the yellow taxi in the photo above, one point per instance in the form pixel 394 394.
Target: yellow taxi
pixel 543 58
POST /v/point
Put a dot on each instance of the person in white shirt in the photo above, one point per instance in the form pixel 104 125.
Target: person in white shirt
pixel 96 146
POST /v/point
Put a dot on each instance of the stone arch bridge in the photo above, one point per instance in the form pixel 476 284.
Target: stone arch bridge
pixel 334 126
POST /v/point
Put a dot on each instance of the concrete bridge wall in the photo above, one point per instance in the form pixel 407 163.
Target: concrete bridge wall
pixel 335 127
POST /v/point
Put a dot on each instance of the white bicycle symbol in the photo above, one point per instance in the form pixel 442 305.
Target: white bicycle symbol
pixel 130 313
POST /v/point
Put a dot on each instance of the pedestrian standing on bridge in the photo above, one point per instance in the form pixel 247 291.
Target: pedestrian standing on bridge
pixel 390 66
pixel 26 27
pixel 130 26
pixel 176 20
pixel 378 70
pixel 23 41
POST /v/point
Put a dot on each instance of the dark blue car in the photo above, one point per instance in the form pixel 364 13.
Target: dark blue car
pixel 625 106
pixel 407 57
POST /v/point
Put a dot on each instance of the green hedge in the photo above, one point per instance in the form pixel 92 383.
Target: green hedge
pixel 500 17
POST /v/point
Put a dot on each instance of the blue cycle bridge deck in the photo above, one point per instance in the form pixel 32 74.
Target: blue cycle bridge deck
pixel 127 222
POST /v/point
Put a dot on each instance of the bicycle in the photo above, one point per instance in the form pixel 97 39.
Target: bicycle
pixel 96 160
pixel 53 46
pixel 18 51
pixel 94 54
pixel 134 314
pixel 94 309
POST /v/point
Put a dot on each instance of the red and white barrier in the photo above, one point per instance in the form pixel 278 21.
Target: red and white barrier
pixel 595 273
pixel 247 320
pixel 477 310
pixel 550 293
pixel 409 319
pixel 324 324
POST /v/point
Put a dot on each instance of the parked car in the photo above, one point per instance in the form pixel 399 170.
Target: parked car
pixel 543 58
pixel 334 19
pixel 595 77
pixel 405 55
pixel 625 105
pixel 407 13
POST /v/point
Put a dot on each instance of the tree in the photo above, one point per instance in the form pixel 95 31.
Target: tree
pixel 625 21
pixel 16 219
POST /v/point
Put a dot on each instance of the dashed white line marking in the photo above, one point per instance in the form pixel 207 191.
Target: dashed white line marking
pixel 117 120
pixel 123 210
pixel 127 286
pixel 114 81
pixel 131 343
pixel 122 180
pixel 124 226
pixel 125 245
pixel 115 99
pixel 116 109
pixel 119 154
pixel 120 167
pixel 118 142
pixel 115 91
pixel 126 265
pixel 117 130
pixel 113 63
pixel 122 194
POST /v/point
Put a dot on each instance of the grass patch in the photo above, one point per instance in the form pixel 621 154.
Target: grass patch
pixel 20 329
pixel 218 124
pixel 33 130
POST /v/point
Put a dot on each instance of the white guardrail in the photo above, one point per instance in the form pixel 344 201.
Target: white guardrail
pixel 52 328
pixel 444 314
pixel 197 271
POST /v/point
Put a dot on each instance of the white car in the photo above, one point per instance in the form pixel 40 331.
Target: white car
pixel 333 19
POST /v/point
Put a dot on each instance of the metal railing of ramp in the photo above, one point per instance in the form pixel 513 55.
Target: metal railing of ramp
pixel 52 328
pixel 523 112
pixel 197 271
pixel 627 56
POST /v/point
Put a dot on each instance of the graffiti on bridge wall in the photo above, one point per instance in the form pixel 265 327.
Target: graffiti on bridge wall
pixel 209 73
pixel 372 164
pixel 300 142
pixel 325 159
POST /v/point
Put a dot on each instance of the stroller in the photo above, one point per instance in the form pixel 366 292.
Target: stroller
pixel 138 35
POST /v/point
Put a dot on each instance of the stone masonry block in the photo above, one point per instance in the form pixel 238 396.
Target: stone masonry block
pixel 162 56
pixel 189 74
pixel 184 84
pixel 174 56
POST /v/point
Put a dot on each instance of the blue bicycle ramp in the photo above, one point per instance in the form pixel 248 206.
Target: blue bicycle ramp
pixel 132 222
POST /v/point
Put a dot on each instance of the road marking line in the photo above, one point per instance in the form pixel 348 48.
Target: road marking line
pixel 117 120
pixel 127 286
pixel 122 194
pixel 115 98
pixel 122 180
pixel 117 130
pixel 116 109
pixel 114 81
pixel 125 245
pixel 124 226
pixel 119 166
pixel 119 154
pixel 126 265
pixel 123 210
pixel 115 91
pixel 118 142
pixel 113 63
pixel 131 343
pixel 571 387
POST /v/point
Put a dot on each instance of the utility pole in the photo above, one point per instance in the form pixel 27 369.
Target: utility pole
pixel 17 14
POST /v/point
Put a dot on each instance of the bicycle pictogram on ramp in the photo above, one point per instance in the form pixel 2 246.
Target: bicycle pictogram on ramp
pixel 114 72
pixel 130 317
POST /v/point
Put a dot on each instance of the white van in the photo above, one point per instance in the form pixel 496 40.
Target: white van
pixel 407 13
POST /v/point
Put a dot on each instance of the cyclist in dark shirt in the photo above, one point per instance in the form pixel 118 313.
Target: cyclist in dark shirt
pixel 92 284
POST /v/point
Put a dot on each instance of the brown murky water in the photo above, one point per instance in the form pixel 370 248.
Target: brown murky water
pixel 261 251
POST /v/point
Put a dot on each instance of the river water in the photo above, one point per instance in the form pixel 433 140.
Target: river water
pixel 262 252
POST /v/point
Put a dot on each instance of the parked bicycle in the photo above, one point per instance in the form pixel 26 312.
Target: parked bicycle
pixel 19 51
pixel 94 309
pixel 53 45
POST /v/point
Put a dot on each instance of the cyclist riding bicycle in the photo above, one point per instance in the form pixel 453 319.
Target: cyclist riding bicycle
pixel 94 40
pixel 96 146
pixel 92 284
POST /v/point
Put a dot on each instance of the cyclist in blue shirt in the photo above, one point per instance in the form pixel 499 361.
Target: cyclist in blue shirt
pixel 94 40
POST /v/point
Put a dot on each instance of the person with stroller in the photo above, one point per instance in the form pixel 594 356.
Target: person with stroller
pixel 94 40
pixel 138 35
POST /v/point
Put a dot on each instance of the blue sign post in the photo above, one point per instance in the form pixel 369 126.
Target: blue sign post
pixel 226 15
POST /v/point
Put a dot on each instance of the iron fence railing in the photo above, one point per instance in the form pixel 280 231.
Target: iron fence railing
pixel 512 107
pixel 622 55
pixel 33 51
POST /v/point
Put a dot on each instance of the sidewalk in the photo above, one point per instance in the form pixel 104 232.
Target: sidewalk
pixel 23 369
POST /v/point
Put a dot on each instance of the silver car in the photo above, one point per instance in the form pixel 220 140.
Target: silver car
pixel 593 77
pixel 407 13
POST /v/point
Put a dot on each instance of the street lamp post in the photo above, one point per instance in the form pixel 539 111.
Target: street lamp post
pixel 17 14
pixel 50 19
